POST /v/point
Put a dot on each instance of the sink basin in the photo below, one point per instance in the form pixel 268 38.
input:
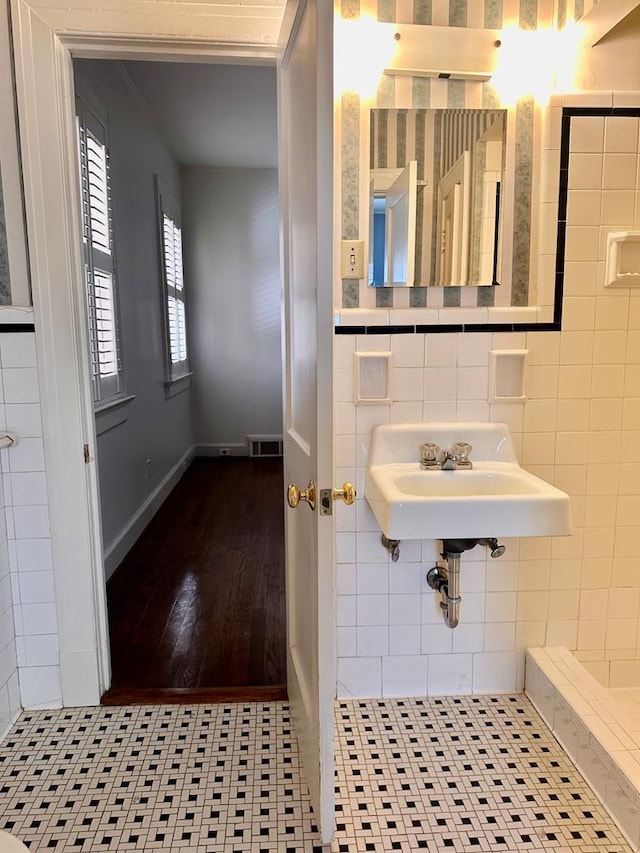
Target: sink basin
pixel 484 479
pixel 495 498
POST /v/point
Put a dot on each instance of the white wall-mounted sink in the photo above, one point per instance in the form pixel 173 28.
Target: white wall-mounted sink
pixel 495 498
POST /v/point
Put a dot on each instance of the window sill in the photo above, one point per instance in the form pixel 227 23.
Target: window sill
pixel 112 413
pixel 172 387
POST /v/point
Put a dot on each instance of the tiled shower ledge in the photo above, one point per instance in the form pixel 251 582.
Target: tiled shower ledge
pixel 599 735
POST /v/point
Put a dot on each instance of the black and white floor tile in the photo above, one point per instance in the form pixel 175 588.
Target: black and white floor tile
pixel 172 777
pixel 449 774
pixel 473 773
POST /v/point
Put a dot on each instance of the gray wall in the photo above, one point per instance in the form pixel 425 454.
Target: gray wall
pixel 231 256
pixel 155 428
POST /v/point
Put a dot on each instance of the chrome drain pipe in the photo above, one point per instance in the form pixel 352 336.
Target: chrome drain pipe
pixel 446 581
pixel 452 606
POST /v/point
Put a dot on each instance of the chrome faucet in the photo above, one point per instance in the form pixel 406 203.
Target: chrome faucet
pixel 448 461
pixel 432 458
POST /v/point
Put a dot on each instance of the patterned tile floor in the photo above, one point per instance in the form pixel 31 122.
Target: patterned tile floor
pixel 459 774
pixel 473 773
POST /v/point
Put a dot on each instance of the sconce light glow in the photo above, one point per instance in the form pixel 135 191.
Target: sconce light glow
pixel 568 43
pixel 526 65
pixel 363 49
pixel 536 62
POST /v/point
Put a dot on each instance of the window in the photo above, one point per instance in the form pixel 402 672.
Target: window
pixel 99 257
pixel 173 287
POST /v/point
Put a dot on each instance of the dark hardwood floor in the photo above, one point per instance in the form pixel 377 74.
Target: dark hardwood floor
pixel 196 609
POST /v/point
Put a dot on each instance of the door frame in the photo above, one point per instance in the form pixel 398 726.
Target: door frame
pixel 45 42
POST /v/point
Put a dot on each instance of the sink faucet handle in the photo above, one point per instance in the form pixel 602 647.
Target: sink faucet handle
pixel 461 451
pixel 429 455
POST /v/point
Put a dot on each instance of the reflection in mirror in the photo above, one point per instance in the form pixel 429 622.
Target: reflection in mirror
pixel 436 183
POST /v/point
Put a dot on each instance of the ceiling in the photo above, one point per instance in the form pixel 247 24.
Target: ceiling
pixel 212 115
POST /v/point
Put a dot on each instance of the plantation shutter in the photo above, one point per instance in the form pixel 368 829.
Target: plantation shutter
pixel 174 293
pixel 99 265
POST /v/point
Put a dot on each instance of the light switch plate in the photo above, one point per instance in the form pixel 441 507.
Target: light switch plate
pixel 352 259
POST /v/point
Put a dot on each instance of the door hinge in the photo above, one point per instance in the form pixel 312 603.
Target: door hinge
pixel 86 454
pixel 326 502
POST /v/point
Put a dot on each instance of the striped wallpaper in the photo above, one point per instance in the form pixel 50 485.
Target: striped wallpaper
pixel 573 9
pixel 452 94
pixel 460 129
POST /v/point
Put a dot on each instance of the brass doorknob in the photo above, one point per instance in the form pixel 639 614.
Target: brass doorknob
pixel 297 496
pixel 347 493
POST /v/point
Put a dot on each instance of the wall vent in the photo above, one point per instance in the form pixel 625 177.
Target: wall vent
pixel 265 445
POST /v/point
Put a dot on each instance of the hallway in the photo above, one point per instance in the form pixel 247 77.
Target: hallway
pixel 198 603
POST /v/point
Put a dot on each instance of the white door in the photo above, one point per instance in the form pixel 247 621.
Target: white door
pixel 454 210
pixel 401 201
pixel 306 176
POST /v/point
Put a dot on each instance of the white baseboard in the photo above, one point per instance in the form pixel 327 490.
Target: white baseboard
pixel 120 546
pixel 214 449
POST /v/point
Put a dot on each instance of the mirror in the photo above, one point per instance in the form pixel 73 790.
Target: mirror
pixel 436 182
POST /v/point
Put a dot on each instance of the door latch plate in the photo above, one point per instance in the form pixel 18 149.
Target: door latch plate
pixel 326 502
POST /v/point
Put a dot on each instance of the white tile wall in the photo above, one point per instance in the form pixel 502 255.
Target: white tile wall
pixel 36 676
pixel 579 428
pixel 395 615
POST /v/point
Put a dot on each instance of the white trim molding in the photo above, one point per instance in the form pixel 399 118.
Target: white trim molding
pixel 14 315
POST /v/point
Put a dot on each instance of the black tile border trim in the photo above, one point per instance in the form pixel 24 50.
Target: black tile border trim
pixel 357 330
pixel 447 328
pixel 389 330
pixel 5 328
pixel 634 112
